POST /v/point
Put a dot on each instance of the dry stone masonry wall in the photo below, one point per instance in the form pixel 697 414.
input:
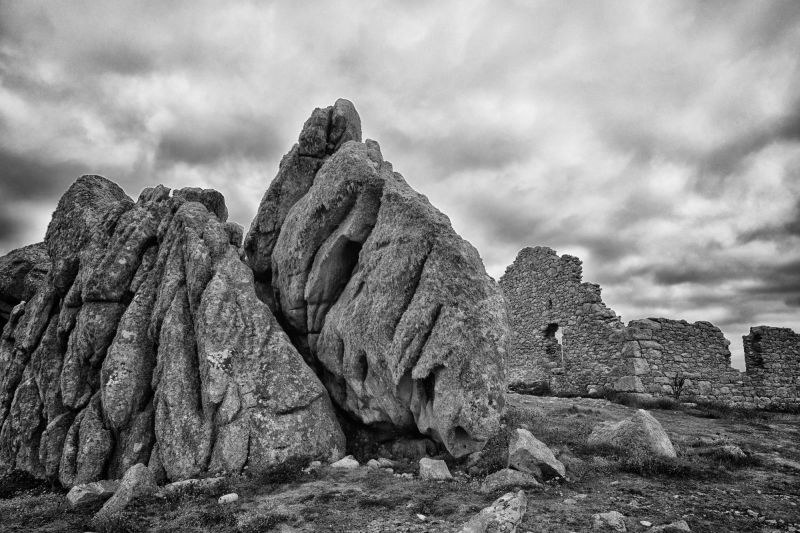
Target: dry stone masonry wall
pixel 546 300
pixel 545 294
pixel 673 357
pixel 772 356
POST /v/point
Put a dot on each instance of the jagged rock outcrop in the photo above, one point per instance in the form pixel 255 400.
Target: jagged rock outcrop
pixel 391 307
pixel 22 271
pixel 147 344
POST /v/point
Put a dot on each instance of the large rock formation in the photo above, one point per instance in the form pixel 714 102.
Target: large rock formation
pixel 391 307
pixel 22 271
pixel 147 344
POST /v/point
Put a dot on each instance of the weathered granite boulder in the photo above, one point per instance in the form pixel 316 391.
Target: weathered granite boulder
pixel 390 306
pixel 147 344
pixel 610 521
pixel 22 272
pixel 91 493
pixel 529 454
pixel 641 433
pixel 508 479
pixel 137 482
pixel 503 516
pixel 433 469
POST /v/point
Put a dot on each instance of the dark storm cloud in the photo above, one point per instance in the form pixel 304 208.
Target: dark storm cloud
pixel 9 225
pixel 32 178
pixel 202 142
pixel 776 232
pixel 657 141
pixel 461 147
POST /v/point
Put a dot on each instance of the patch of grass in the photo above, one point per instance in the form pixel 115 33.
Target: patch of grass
pixel 725 411
pixel 642 402
pixel 123 522
pixel 263 521
pixel 17 482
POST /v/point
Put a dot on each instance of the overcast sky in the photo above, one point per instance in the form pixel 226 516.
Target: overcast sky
pixel 658 141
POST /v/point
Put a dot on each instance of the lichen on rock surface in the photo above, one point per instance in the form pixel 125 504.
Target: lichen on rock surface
pixel 391 307
pixel 146 343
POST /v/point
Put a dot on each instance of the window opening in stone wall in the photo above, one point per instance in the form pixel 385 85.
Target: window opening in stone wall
pixel 552 338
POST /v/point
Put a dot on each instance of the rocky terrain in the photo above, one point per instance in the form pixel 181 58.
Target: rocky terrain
pixel 342 367
pixel 705 487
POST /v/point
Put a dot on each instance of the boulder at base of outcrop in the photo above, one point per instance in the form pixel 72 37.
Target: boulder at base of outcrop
pixel 679 526
pixel 392 308
pixel 137 482
pixel 610 521
pixel 504 515
pixel 529 454
pixel 22 272
pixel 147 344
pixel 641 433
pixel 506 479
pixel 348 463
pixel 433 469
pixel 90 493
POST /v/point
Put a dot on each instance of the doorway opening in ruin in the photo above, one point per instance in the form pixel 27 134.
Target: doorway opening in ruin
pixel 552 342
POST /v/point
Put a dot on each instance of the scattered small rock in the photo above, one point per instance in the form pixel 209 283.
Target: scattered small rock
pixel 228 498
pixel 508 479
pixel 610 521
pixel 205 484
pixel 348 462
pixel 504 515
pixel 89 493
pixel 385 463
pixel 672 527
pixel 433 469
pixel 373 464
pixel 645 523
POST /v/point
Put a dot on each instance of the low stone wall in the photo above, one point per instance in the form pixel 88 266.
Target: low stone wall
pixel 547 299
pixel 659 352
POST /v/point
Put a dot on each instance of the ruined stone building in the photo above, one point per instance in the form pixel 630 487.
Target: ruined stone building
pixel 546 296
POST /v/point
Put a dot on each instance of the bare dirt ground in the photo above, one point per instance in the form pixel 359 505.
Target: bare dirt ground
pixel 760 493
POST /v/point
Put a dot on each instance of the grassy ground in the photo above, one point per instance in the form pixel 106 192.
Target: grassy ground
pixel 711 490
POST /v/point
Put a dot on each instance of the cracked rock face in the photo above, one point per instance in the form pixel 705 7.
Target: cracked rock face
pixel 147 343
pixel 22 271
pixel 391 307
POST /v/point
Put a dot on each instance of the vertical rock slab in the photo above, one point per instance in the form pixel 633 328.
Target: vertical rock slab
pixel 147 344
pixel 392 308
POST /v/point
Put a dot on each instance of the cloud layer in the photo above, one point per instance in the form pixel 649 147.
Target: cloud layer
pixel 658 141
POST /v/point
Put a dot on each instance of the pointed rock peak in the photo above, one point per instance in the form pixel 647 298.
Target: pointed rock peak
pixel 327 129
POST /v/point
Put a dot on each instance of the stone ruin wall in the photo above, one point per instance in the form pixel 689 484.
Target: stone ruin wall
pixel 772 357
pixel 658 350
pixel 545 295
pixel 597 350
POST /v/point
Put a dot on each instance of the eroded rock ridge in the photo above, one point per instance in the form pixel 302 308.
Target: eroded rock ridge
pixel 146 343
pixel 391 307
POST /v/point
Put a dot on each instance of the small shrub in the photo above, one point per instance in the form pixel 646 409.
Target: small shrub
pixel 678 380
pixel 289 471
